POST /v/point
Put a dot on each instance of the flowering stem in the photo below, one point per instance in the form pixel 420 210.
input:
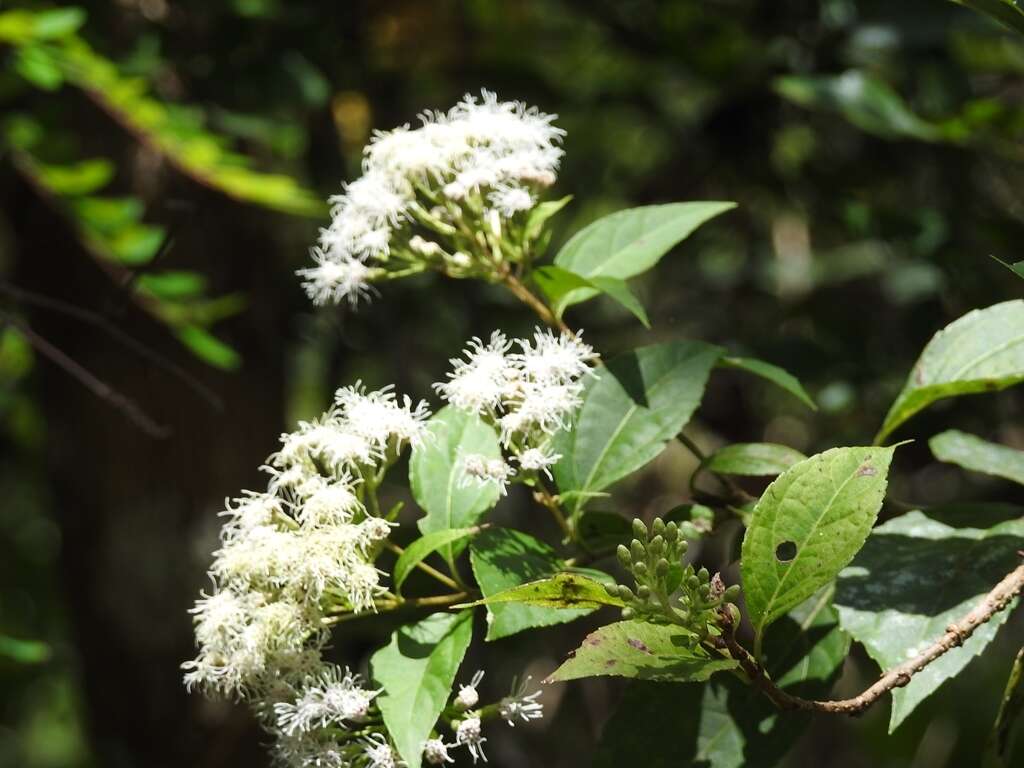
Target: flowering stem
pixel 424 567
pixel 394 604
pixel 526 296
pixel 543 497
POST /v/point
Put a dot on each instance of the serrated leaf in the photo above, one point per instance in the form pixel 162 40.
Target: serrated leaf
pixel 780 377
pixel 631 408
pixel 502 559
pixel 808 526
pixel 416 670
pixel 563 590
pixel 724 723
pixel 415 553
pixel 641 650
pixel 436 478
pixel 983 351
pixel 753 459
pixel 977 455
pixel 630 242
pixel 914 578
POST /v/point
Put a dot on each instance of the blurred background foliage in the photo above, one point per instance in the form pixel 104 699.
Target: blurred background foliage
pixel 163 168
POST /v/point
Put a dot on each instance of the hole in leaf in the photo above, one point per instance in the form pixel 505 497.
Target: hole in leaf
pixel 786 551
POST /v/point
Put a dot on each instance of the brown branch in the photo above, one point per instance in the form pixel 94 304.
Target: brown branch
pixel 524 294
pixel 89 380
pixel 897 677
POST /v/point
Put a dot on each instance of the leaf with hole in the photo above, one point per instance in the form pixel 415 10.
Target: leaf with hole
pixel 416 670
pixel 913 579
pixel 634 405
pixel 503 559
pixel 983 351
pixel 977 455
pixel 641 650
pixel 808 526
pixel 630 242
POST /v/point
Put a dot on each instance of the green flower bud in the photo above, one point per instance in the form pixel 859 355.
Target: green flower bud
pixel 627 614
pixel 639 529
pixel 671 532
pixel 637 550
pixel 625 593
pixel 661 568
pixel 658 526
pixel 623 554
pixel 703 574
pixel 731 593
pixel 612 589
pixel 657 545
pixel 643 592
pixel 640 568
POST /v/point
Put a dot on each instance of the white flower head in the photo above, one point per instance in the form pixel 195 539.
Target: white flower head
pixel 481 470
pixel 335 279
pixel 510 199
pixel 538 460
pixel 477 383
pixel 379 753
pixel 335 697
pixel 468 696
pixel 546 407
pixel 435 752
pixel 519 705
pixel 555 359
pixel 333 503
pixel 378 416
pixel 467 734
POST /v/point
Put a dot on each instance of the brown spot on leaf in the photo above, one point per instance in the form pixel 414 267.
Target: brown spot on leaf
pixel 638 645
pixel 866 470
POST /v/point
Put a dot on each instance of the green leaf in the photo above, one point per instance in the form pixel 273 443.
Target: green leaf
pixel 724 723
pixel 773 373
pixel 416 670
pixel 24 651
pixel 423 546
pixel 58 22
pixel 1016 267
pixel 1011 709
pixel 598 530
pixel 556 282
pixel 502 559
pixel 539 216
pixel 634 405
pixel 977 455
pixel 807 526
pixel 914 578
pixel 435 474
pixel 36 64
pixel 209 348
pixel 641 650
pixel 1008 12
pixel 563 590
pixel 867 102
pixel 77 178
pixel 174 285
pixel 630 242
pixel 753 459
pixel 983 351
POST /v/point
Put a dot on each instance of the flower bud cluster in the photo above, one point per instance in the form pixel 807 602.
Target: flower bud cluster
pixel 453 194
pixel 527 395
pixel 667 591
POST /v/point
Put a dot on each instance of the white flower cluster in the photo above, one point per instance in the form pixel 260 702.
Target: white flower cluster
pixel 305 546
pixel 473 170
pixel 518 705
pixel 529 395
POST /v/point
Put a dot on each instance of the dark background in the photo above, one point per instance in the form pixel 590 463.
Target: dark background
pixel 866 219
